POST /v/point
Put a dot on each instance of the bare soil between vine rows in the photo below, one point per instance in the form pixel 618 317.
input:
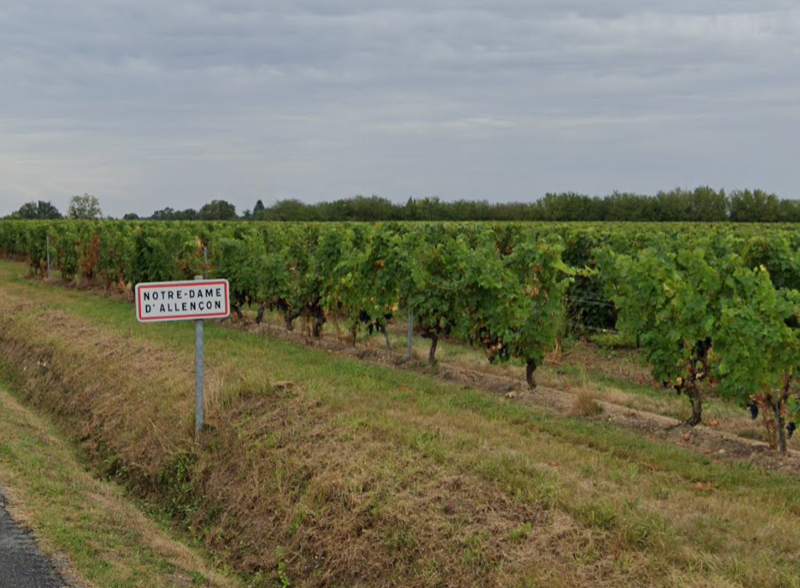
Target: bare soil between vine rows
pixel 718 445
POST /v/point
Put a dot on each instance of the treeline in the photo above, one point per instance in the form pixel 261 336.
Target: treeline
pixel 703 204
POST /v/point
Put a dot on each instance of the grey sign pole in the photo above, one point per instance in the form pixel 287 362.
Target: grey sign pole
pixel 199 400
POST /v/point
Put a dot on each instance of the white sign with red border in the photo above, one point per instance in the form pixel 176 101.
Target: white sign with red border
pixel 182 301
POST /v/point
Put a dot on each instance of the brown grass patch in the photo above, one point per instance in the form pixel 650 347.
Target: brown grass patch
pixel 585 405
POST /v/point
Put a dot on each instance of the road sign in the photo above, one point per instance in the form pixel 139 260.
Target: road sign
pixel 182 301
pixel 186 301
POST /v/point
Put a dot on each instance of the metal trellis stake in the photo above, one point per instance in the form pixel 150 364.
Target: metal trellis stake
pixel 47 241
pixel 410 333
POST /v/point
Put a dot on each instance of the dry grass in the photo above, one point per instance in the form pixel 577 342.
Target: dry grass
pixel 585 404
pixel 346 474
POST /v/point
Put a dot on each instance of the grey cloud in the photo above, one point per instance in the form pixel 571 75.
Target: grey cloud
pixel 182 102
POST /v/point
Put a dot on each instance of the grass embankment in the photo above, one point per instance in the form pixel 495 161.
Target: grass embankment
pixel 108 542
pixel 324 471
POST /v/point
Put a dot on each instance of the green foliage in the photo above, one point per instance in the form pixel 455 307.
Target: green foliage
pixel 759 350
pixel 169 214
pixel 219 210
pixel 438 258
pixel 759 344
pixel 39 210
pixel 517 300
pixel 283 577
pixel 703 204
pixel 702 304
pixel 754 206
pixel 175 482
pixel 669 301
pixel 66 244
pixel 86 207
pixel 239 259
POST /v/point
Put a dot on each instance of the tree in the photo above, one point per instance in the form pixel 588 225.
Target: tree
pixel 706 204
pixel 288 210
pixel 85 207
pixel 570 206
pixel 258 209
pixel 624 206
pixel 170 214
pixel 789 211
pixel 218 210
pixel 131 216
pixel 359 208
pixel 164 214
pixel 40 210
pixel 751 207
pixel 188 214
pixel 428 209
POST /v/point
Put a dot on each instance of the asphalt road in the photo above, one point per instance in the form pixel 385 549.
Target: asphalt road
pixel 22 565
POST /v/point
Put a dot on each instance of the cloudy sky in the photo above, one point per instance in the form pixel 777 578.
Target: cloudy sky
pixel 154 103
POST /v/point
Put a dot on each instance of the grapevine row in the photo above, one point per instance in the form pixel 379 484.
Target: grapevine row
pixel 712 314
pixel 469 281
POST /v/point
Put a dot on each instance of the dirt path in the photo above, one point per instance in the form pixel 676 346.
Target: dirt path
pixel 718 445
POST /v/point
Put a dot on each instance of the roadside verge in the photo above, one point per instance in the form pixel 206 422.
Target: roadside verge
pixel 86 527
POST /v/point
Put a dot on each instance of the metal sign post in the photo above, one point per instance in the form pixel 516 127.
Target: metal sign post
pixel 199 395
pixel 182 301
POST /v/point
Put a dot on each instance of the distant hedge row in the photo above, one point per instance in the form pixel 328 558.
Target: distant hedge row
pixel 703 204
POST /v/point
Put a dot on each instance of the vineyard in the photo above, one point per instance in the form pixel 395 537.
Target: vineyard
pixel 713 308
